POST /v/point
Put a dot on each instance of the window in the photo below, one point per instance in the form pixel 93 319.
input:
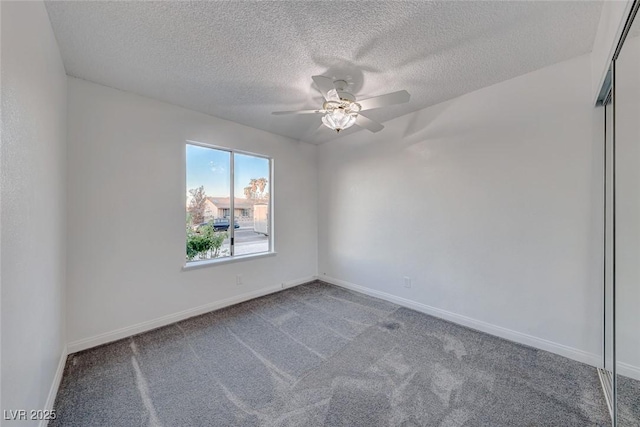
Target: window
pixel 218 224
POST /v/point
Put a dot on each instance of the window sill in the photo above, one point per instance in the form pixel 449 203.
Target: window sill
pixel 228 260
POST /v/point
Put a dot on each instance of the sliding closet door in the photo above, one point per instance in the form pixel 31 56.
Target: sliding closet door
pixel 608 246
pixel 627 227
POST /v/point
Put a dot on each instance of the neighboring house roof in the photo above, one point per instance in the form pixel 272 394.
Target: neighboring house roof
pixel 238 203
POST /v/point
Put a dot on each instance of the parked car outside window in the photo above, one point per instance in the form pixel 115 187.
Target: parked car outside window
pixel 218 224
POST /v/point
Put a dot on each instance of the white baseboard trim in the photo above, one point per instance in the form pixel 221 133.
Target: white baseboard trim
pixel 499 331
pixel 628 370
pixel 55 385
pixel 128 331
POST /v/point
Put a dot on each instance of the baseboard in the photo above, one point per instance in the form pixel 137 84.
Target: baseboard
pixel 499 331
pixel 628 370
pixel 128 331
pixel 53 391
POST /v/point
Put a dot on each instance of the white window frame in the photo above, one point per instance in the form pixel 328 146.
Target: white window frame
pixel 232 257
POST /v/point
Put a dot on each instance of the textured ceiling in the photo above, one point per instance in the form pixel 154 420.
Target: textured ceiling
pixel 243 60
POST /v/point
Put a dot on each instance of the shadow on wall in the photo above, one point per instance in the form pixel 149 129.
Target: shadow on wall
pixel 404 132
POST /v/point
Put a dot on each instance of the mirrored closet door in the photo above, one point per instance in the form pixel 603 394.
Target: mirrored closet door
pixel 626 233
pixel 606 374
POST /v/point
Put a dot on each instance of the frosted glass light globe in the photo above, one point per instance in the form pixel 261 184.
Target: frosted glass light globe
pixel 338 119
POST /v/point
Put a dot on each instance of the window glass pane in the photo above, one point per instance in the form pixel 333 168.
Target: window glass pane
pixel 252 204
pixel 208 203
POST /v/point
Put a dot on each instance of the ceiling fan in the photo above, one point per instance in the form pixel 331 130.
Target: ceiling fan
pixel 340 109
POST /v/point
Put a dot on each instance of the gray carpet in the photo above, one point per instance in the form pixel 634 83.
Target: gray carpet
pixel 317 355
pixel 628 402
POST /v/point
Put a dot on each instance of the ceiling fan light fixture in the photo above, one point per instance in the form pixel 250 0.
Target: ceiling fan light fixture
pixel 340 109
pixel 340 114
pixel 339 119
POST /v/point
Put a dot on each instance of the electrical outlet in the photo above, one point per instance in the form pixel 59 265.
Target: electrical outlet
pixel 238 279
pixel 407 282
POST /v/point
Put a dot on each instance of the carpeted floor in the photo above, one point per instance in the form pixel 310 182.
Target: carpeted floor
pixel 628 398
pixel 318 355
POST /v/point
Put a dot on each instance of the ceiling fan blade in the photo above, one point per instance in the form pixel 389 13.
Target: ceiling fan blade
pixel 368 124
pixel 326 87
pixel 399 97
pixel 280 113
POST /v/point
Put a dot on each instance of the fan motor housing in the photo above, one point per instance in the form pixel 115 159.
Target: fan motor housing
pixel 341 86
pixel 346 96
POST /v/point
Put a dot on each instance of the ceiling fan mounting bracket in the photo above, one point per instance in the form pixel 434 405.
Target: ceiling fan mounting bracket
pixel 340 85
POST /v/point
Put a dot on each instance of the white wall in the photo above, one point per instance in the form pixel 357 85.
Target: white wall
pixel 33 231
pixel 126 187
pixel 491 203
